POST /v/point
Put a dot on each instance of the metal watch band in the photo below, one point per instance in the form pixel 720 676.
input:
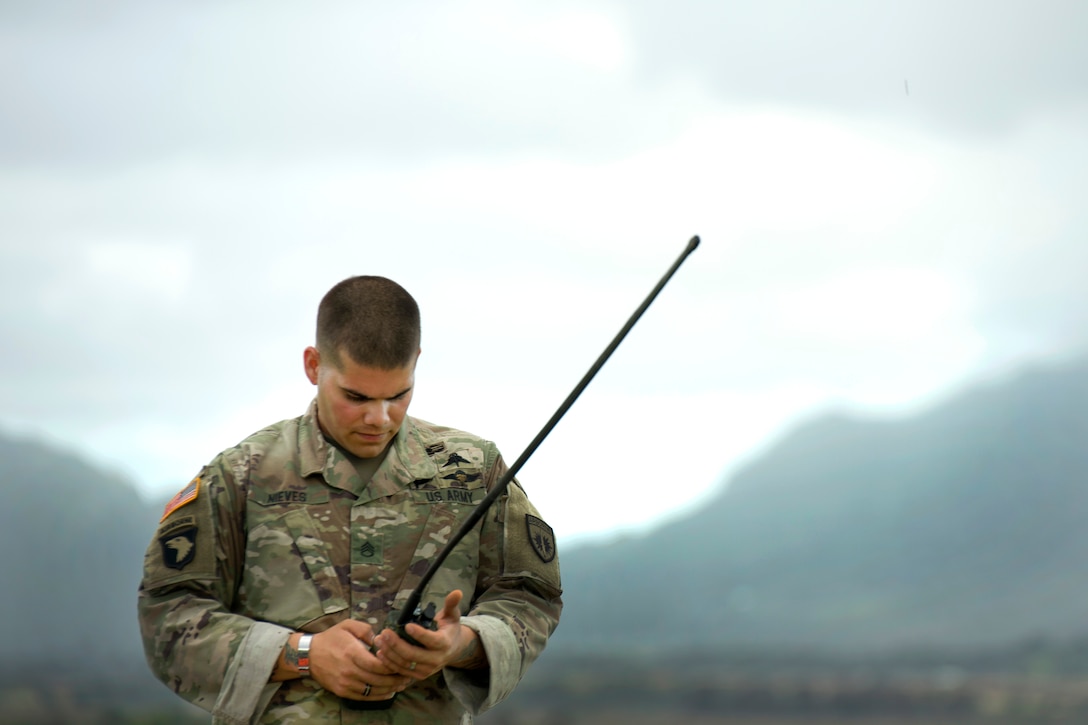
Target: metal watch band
pixel 304 653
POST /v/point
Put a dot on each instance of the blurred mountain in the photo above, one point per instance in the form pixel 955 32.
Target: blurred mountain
pixel 964 526
pixel 73 538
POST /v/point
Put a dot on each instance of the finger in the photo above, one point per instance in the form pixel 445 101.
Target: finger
pixel 428 638
pixel 416 671
pixel 398 654
pixel 390 641
pixel 390 682
pixel 368 658
pixel 369 693
pixel 377 671
pixel 354 684
pixel 359 630
pixel 409 661
pixel 451 610
pixel 368 661
pixel 384 692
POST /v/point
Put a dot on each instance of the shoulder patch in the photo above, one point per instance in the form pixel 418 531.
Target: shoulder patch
pixel 529 546
pixel 541 538
pixel 178 547
pixel 184 496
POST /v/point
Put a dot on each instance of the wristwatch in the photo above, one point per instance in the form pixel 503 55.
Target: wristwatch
pixel 304 653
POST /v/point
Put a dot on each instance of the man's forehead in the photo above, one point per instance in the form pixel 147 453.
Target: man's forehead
pixel 374 382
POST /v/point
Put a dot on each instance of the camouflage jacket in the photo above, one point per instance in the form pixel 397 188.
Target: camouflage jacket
pixel 279 534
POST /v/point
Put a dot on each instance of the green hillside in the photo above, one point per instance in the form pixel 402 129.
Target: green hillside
pixel 959 527
pixel 73 538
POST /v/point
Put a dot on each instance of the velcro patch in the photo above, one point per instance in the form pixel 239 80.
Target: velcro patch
pixel 541 538
pixel 461 477
pixel 178 547
pixel 369 552
pixel 455 460
pixel 184 496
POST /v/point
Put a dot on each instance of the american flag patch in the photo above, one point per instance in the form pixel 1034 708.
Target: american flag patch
pixel 183 497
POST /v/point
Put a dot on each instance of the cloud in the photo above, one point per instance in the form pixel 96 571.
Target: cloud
pixel 130 81
pixel 276 79
pixel 973 67
pixel 181 184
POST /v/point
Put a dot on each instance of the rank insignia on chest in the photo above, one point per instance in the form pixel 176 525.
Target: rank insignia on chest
pixel 369 552
pixel 541 538
pixel 178 547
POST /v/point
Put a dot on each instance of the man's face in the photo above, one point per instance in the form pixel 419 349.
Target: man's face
pixel 359 407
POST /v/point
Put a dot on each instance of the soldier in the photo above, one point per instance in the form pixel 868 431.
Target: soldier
pixel 269 583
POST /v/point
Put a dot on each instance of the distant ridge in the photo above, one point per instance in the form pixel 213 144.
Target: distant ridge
pixel 963 526
pixel 73 539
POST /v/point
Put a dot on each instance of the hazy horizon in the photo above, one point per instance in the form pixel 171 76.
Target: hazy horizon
pixel 889 199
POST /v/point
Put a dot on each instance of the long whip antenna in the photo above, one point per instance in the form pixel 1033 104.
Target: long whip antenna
pixel 497 490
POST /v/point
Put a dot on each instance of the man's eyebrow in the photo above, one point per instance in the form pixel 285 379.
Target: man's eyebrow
pixel 363 396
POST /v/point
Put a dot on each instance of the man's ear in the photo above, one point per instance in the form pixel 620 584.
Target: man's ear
pixel 311 361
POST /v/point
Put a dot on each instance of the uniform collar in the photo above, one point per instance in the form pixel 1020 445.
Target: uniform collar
pixel 407 461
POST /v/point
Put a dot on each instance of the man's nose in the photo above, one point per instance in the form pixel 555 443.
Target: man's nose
pixel 376 413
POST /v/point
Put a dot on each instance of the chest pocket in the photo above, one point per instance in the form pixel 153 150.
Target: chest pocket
pixel 289 575
pixel 444 504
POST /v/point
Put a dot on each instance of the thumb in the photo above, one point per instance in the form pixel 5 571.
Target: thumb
pixel 451 610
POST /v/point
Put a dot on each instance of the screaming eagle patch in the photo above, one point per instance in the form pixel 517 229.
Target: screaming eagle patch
pixel 541 538
pixel 178 547
pixel 184 496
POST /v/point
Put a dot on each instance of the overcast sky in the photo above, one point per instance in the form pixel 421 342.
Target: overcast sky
pixel 890 197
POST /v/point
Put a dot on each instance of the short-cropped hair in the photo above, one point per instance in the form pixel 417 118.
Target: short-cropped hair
pixel 371 319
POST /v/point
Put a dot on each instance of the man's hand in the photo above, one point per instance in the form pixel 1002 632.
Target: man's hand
pixel 341 662
pixel 453 644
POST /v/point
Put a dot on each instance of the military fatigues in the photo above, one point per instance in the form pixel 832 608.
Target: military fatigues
pixel 279 534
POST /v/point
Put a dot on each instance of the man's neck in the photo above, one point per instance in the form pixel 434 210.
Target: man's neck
pixel 365 467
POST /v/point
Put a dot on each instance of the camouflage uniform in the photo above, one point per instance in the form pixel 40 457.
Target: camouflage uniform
pixel 279 534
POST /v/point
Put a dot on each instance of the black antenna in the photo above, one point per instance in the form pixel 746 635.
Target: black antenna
pixel 412 602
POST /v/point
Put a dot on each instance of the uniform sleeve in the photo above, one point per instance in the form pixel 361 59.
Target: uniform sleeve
pixel 215 659
pixel 518 603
